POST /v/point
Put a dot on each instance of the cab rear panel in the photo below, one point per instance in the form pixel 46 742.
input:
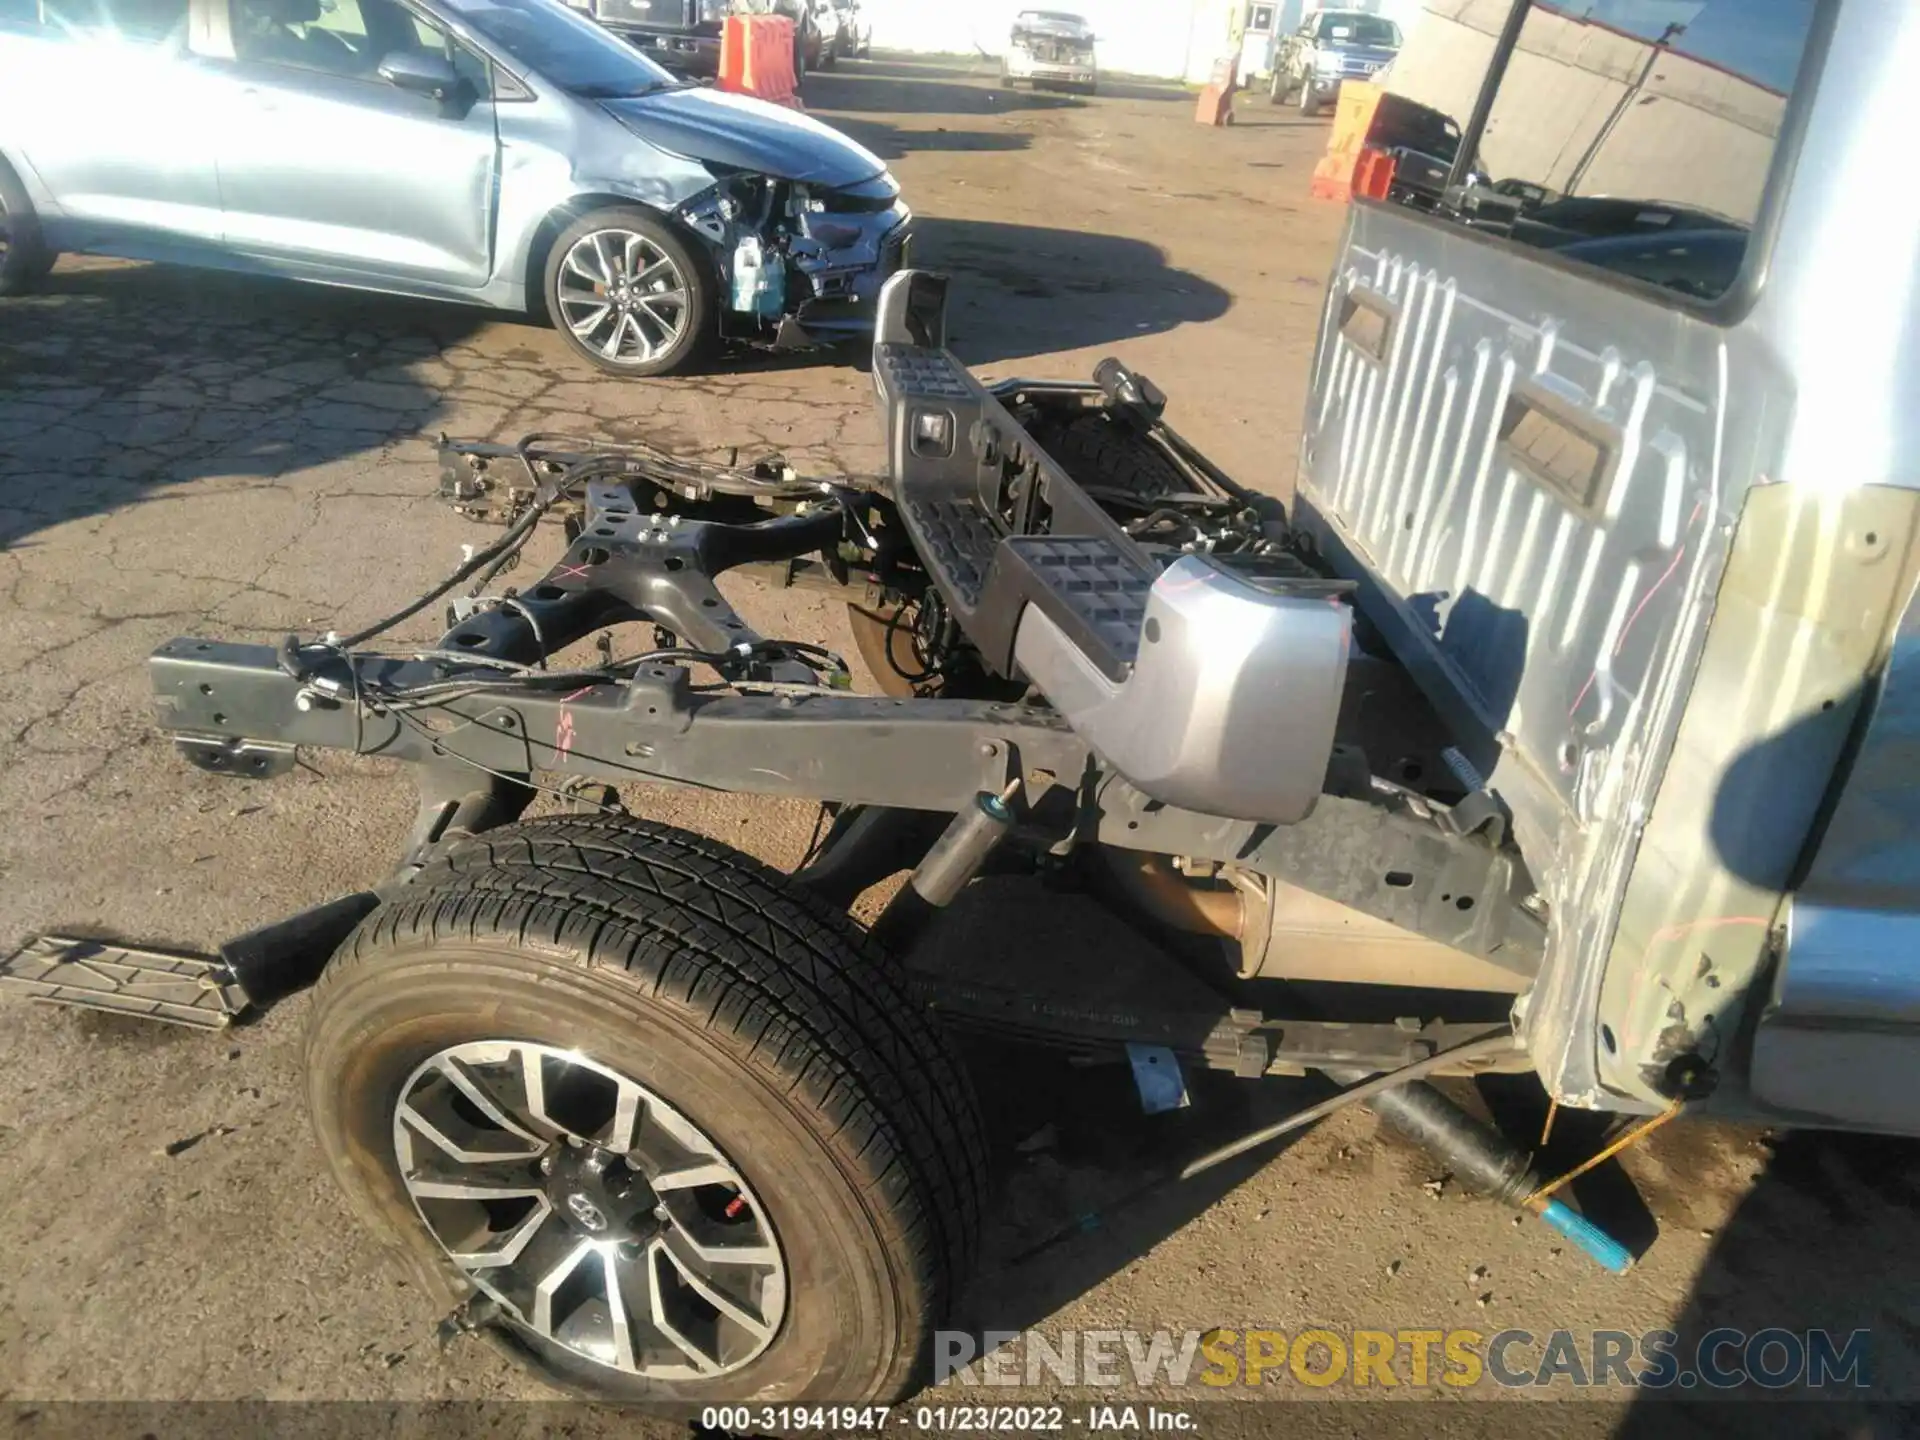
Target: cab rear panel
pixel 1560 433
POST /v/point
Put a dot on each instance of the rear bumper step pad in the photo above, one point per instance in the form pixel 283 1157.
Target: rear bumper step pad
pixel 181 989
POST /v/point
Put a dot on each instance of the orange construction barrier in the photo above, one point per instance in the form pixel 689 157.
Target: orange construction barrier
pixel 756 58
pixel 1216 101
pixel 1333 176
pixel 1373 173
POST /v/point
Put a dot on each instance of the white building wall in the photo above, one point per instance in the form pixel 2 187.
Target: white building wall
pixel 1172 39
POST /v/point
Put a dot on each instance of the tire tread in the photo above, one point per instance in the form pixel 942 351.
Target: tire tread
pixel 1093 450
pixel 794 988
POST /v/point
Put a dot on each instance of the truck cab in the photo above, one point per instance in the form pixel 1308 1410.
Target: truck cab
pixel 1624 470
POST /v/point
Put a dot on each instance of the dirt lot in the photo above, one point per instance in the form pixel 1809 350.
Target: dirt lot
pixel 183 453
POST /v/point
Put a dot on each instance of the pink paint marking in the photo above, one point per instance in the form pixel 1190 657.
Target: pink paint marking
pixel 563 732
pixel 1627 629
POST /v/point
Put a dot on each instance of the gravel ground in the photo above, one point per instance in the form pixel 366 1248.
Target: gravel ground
pixel 184 453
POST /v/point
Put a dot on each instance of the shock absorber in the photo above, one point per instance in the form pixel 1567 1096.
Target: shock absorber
pixel 955 859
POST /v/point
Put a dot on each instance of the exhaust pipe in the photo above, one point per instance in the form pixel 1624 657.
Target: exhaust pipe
pixel 1286 933
pixel 286 957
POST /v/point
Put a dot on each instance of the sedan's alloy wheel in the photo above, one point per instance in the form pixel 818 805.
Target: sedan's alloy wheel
pixel 623 296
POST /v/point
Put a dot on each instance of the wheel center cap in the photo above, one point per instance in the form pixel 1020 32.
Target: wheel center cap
pixel 600 1196
pixel 589 1215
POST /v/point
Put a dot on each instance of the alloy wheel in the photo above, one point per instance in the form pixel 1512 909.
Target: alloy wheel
pixel 623 296
pixel 597 1215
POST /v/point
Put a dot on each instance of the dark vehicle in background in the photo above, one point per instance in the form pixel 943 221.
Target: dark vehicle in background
pixel 1330 46
pixel 820 33
pixel 1050 47
pixel 1423 142
pixel 855 37
pixel 684 35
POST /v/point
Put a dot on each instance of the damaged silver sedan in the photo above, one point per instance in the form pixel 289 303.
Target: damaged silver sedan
pixel 503 152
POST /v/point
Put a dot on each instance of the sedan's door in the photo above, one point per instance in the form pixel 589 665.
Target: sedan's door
pixel 331 168
pixel 110 111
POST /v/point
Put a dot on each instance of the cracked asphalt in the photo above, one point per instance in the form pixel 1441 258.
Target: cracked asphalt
pixel 187 453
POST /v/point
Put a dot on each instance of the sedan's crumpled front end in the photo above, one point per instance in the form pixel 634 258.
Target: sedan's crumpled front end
pixel 1050 48
pixel 848 243
pixel 803 224
pixel 798 263
pixel 1048 60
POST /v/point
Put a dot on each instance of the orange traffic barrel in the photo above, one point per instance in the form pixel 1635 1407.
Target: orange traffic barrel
pixel 756 58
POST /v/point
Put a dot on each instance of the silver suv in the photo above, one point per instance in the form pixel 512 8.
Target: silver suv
pixel 505 152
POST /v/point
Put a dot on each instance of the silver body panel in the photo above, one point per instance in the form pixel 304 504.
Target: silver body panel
pixel 384 185
pixel 157 172
pixel 1840 1037
pixel 1231 705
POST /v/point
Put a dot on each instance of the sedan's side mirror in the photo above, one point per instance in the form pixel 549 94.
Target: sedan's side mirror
pixel 421 73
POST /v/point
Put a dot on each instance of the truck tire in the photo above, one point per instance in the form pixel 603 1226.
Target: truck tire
pixel 24 256
pixel 1095 451
pixel 645 1031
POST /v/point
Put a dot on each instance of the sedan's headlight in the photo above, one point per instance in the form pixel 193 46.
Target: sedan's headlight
pixel 711 10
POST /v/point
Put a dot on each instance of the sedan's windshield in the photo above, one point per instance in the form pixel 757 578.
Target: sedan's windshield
pixel 568 49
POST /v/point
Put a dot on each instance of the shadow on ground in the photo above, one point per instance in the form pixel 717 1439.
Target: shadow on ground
pixel 890 142
pixel 1817 1255
pixel 117 380
pixel 1082 1173
pixel 891 87
pixel 1819 1241
pixel 1029 290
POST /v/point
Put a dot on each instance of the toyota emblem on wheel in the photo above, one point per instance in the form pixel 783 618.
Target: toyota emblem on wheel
pixel 586 1212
